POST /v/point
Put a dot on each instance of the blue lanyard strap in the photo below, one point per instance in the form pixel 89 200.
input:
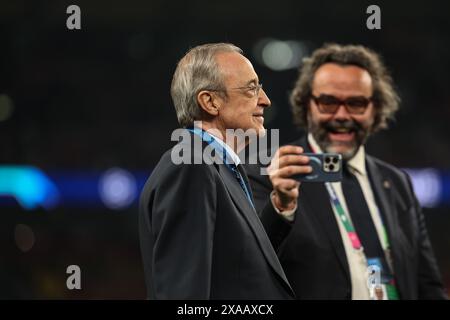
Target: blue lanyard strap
pixel 243 184
pixel 227 159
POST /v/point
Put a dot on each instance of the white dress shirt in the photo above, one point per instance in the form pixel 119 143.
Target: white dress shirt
pixel 289 214
pixel 356 260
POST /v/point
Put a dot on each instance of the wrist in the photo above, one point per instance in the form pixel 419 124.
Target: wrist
pixel 283 206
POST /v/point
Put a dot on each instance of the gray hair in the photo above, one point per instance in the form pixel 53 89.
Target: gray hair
pixel 197 71
pixel 386 100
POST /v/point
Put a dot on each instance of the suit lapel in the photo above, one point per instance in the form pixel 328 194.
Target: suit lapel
pixel 383 194
pixel 245 177
pixel 382 190
pixel 317 198
pixel 248 212
pixel 250 215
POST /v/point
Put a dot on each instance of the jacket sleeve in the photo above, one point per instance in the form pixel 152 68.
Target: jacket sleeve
pixel 276 226
pixel 183 213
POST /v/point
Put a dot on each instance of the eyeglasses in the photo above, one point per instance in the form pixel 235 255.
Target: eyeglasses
pixel 252 90
pixel 330 104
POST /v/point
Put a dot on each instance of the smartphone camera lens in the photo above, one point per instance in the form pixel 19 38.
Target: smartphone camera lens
pixel 335 160
pixel 327 160
pixel 331 167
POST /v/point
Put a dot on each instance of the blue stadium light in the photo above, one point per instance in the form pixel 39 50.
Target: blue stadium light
pixel 427 185
pixel 29 186
pixel 119 189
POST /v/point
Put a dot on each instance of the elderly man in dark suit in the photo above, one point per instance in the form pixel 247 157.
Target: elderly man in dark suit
pixel 201 237
pixel 342 231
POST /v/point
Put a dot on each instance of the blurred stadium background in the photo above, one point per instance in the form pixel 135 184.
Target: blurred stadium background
pixel 85 116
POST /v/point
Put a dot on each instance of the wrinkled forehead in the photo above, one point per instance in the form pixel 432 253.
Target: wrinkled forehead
pixel 342 81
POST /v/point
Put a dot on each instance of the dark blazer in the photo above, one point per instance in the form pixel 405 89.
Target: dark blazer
pixel 202 239
pixel 313 255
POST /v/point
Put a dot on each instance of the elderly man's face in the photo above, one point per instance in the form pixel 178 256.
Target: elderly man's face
pixel 342 131
pixel 245 104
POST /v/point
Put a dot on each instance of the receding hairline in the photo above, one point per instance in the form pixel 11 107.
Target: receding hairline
pixel 365 74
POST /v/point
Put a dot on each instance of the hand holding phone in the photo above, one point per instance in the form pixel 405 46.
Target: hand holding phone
pixel 290 167
pixel 287 162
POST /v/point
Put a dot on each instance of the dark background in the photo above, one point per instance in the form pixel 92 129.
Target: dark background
pixel 84 101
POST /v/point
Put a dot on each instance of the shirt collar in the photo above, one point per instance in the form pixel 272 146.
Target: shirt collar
pixel 357 163
pixel 234 157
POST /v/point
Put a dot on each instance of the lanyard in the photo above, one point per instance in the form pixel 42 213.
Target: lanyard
pixel 390 287
pixel 345 219
pixel 356 243
pixel 227 159
pixel 351 233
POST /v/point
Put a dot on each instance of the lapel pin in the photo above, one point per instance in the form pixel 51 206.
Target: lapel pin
pixel 386 184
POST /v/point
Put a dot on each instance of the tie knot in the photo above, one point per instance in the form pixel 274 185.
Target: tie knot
pixel 348 173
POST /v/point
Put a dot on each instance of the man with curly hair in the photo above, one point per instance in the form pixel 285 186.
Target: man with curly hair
pixel 361 238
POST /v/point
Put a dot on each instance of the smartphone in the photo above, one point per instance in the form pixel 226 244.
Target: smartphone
pixel 327 167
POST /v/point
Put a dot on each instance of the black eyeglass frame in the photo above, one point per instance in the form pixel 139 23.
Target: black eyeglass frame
pixel 351 109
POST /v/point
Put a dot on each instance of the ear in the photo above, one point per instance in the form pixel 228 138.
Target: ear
pixel 208 102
